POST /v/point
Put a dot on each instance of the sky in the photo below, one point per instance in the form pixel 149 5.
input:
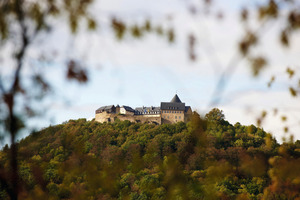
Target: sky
pixel 147 71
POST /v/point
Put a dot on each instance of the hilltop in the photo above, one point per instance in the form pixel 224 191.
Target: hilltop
pixel 203 159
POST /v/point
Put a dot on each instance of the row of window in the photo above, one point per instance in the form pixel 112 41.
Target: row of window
pixel 166 111
pixel 173 108
pixel 179 117
pixel 143 113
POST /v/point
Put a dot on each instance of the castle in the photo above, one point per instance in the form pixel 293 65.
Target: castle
pixel 168 113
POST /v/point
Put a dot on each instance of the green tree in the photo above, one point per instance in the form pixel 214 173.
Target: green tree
pixel 215 115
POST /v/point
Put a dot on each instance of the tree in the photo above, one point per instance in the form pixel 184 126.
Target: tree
pixel 215 115
pixel 21 22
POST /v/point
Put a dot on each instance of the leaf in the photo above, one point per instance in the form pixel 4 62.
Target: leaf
pixel 257 65
pixel 264 114
pixel 258 122
pixel 119 28
pixel 284 38
pixel 92 25
pixel 147 25
pixel 269 10
pixel 73 23
pixel 290 72
pixel 244 14
pixel 136 31
pixel 283 118
pixel 171 35
pixel 271 81
pixel 249 40
pixel 76 72
pixel 294 20
pixel 293 92
pixel 192 42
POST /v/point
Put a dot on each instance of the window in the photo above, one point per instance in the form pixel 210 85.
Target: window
pixel 168 117
pixel 175 117
pixel 179 117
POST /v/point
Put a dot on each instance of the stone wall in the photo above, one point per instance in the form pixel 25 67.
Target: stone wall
pixel 163 118
pixel 172 117
pixel 148 119
pixel 105 117
pixel 111 117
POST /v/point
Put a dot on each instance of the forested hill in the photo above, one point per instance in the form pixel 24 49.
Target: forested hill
pixel 203 159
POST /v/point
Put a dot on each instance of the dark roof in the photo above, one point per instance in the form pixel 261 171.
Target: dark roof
pixel 110 108
pixel 176 99
pixel 127 108
pixel 148 109
pixel 172 106
pixel 106 107
pixel 187 108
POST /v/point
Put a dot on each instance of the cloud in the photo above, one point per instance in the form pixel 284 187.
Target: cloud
pixel 249 107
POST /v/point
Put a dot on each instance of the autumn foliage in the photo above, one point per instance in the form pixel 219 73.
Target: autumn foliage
pixel 204 159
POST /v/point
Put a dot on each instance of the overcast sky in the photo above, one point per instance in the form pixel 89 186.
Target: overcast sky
pixel 150 70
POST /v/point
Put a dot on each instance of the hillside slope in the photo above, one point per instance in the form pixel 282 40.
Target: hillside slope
pixel 204 159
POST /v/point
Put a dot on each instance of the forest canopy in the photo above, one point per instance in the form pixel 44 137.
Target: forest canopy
pixel 207 158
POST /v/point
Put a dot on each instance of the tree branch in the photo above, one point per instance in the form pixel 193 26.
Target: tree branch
pixel 13 129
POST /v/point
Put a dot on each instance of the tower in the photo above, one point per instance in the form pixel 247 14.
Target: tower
pixel 173 111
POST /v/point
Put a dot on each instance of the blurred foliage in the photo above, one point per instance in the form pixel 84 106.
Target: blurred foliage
pixel 194 152
pixel 203 159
